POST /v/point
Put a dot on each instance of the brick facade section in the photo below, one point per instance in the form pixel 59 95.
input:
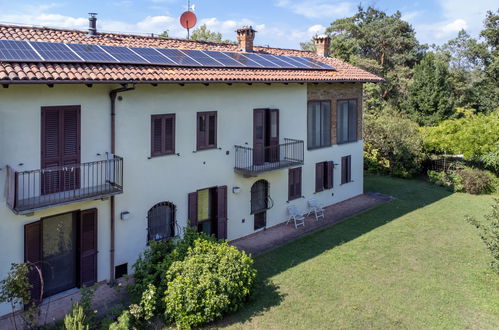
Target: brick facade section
pixel 335 92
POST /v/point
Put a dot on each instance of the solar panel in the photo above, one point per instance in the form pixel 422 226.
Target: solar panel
pixel 244 59
pixel 203 58
pixel 153 56
pixel 124 55
pixel 178 57
pixel 281 60
pixel 263 60
pixel 300 62
pixel 14 50
pixel 322 65
pixel 225 59
pixel 51 51
pixel 92 53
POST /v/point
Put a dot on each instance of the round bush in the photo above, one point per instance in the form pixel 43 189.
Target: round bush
pixel 213 279
pixel 476 181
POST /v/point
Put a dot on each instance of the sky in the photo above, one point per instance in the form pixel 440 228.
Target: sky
pixel 280 23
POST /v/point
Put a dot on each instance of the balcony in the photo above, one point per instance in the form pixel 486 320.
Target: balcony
pixel 30 191
pixel 254 161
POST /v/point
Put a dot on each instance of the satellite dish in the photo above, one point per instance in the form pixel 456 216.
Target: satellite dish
pixel 188 20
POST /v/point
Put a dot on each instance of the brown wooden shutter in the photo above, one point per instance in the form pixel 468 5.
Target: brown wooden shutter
pixel 222 212
pixel 319 177
pixel 88 247
pixel 33 255
pixel 298 182
pixel 212 130
pixel 169 134
pixel 329 166
pixel 193 209
pixel 156 135
pixel 349 168
pixel 291 184
pixel 343 170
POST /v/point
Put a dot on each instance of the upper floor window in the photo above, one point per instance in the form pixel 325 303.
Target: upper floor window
pixel 161 222
pixel 206 130
pixel 319 124
pixel 162 135
pixel 347 121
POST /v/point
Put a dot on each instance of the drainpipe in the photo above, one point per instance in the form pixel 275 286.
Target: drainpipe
pixel 113 94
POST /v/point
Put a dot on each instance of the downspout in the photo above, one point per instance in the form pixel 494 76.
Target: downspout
pixel 113 94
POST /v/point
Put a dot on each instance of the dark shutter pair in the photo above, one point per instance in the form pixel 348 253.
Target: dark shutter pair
pixel 323 176
pixel 221 211
pixel 346 121
pixel 346 169
pixel 294 183
pixel 162 135
pixel 206 136
pixel 33 247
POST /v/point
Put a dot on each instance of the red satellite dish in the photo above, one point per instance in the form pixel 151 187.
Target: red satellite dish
pixel 188 20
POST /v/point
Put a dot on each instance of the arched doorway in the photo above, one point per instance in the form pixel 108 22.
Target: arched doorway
pixel 260 203
pixel 161 222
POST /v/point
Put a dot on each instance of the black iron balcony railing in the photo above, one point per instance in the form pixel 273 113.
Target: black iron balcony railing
pixel 29 191
pixel 257 160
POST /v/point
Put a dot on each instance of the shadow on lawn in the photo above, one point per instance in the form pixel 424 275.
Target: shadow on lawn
pixel 408 197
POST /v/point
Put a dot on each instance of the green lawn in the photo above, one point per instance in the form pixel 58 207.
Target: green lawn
pixel 411 263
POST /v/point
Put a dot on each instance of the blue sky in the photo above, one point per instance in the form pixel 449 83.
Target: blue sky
pixel 280 23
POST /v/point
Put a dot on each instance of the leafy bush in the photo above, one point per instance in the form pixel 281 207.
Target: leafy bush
pixel 473 136
pixel 123 322
pixel 489 232
pixel 214 278
pixel 468 180
pixel 75 319
pixel 145 310
pixel 392 144
pixel 151 267
pixel 491 160
pixel 477 181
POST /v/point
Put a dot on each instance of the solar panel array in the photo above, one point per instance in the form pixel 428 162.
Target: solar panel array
pixel 33 51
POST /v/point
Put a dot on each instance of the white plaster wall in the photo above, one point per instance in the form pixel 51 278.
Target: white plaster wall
pixel 167 178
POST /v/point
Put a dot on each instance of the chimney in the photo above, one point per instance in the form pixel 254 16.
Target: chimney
pixel 245 38
pixel 322 44
pixel 92 25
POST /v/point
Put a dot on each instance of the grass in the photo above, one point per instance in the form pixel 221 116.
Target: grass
pixel 411 263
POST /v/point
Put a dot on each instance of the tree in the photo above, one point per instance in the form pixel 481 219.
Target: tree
pixel 164 34
pixel 429 100
pixel 203 34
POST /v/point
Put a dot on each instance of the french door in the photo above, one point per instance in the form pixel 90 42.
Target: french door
pixel 60 149
pixel 265 136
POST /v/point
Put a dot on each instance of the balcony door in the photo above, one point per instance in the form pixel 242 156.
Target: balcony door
pixel 265 136
pixel 60 149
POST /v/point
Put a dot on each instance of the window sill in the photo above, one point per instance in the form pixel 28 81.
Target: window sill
pixel 341 184
pixel 293 199
pixel 318 148
pixel 206 149
pixel 347 142
pixel 163 155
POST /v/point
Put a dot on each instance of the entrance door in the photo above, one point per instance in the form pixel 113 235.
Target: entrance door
pixel 265 136
pixel 60 147
pixel 208 211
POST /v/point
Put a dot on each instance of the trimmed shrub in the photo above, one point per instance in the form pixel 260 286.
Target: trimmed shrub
pixel 477 181
pixel 214 279
pixel 151 267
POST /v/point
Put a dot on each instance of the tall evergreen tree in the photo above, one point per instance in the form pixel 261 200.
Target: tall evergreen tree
pixel 429 100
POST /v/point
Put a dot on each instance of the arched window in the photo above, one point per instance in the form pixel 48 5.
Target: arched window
pixel 259 196
pixel 161 222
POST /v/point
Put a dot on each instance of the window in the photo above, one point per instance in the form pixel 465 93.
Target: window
pixel 319 124
pixel 259 196
pixel 207 130
pixel 347 121
pixel 346 169
pixel 294 183
pixel 207 211
pixel 162 135
pixel 323 176
pixel 161 222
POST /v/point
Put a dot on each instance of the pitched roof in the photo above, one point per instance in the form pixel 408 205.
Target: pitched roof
pixel 29 72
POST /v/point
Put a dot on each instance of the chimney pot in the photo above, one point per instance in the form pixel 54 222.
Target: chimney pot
pixel 245 38
pixel 92 25
pixel 322 44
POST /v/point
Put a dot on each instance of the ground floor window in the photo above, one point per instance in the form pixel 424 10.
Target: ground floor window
pixel 161 222
pixel 260 203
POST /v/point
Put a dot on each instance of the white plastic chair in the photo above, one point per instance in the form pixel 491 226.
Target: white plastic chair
pixel 295 216
pixel 316 208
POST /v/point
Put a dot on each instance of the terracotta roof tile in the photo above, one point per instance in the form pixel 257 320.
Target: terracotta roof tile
pixel 82 72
